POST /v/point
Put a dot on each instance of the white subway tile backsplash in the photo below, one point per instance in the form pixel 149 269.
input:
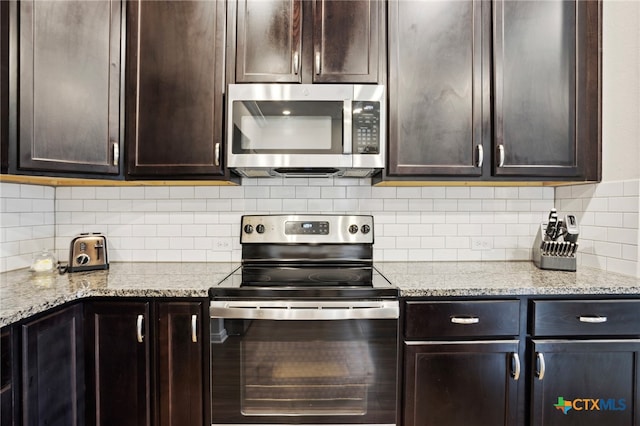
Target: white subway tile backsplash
pixel 412 223
pixel 27 216
pixel 457 192
pixel 609 227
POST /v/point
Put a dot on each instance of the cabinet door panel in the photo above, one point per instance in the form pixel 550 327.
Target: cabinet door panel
pixel 536 91
pixel 269 41
pixel 69 85
pixel 4 86
pixel 120 363
pixel 53 369
pixel 180 363
pixel 460 383
pixel 175 97
pixel 586 383
pixel 435 87
pixel 346 41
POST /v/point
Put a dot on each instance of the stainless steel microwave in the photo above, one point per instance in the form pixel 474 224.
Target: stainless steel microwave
pixel 306 130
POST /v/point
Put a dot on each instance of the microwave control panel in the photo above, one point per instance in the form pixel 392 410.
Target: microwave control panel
pixel 366 127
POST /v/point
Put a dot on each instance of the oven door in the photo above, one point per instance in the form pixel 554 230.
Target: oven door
pixel 304 362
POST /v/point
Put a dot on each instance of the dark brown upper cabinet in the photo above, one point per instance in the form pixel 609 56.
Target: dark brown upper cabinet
pixel 438 75
pixel 306 41
pixel 174 89
pixel 498 90
pixel 4 86
pixel 65 64
pixel 546 87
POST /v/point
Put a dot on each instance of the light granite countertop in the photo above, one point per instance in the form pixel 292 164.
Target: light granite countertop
pixel 23 293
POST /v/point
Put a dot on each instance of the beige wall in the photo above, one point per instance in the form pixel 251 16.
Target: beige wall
pixel 621 90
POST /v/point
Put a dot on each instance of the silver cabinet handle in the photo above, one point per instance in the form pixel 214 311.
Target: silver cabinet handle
pixel 194 324
pixel 317 62
pixel 500 155
pixel 116 154
pixel 480 155
pixel 216 150
pixel 541 368
pixel 516 366
pixel 296 62
pixel 592 319
pixel 465 320
pixel 139 323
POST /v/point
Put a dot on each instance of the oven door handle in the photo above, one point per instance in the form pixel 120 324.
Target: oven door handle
pixel 305 310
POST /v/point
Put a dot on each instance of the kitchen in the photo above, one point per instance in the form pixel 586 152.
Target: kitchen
pixel 201 223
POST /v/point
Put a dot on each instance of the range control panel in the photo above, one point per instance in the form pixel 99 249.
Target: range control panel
pixel 283 229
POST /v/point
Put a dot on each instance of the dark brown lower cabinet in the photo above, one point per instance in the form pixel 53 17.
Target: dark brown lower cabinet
pixel 7 371
pixel 147 363
pixel 52 384
pixel 461 383
pixel 182 386
pixel 119 356
pixel 586 382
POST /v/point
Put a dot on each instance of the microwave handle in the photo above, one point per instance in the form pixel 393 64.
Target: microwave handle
pixel 347 143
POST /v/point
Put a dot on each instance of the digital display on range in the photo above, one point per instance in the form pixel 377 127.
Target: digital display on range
pixel 305 228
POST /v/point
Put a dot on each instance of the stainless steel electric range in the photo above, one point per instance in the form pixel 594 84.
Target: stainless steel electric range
pixel 306 330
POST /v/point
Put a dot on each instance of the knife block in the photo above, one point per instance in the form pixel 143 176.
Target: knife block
pixel 561 256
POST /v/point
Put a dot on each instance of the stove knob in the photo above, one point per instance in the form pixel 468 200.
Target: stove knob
pixel 365 229
pixel 353 229
pixel 248 229
pixel 260 229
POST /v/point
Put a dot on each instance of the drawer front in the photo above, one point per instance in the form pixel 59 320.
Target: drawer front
pixel 461 319
pixel 586 317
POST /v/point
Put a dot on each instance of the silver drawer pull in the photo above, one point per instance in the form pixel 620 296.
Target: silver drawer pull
pixel 465 320
pixel 592 319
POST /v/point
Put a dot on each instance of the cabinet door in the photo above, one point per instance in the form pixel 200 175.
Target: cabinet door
pixel 586 383
pixel 269 41
pixel 546 88
pixel 69 86
pixel 181 363
pixel 53 389
pixel 4 86
pixel 461 383
pixel 346 37
pixel 119 363
pixel 7 386
pixel 174 98
pixel 436 84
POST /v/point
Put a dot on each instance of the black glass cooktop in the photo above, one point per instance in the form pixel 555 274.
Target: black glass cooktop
pixel 308 281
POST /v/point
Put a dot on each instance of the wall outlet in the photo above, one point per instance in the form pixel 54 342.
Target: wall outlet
pixel 481 243
pixel 222 244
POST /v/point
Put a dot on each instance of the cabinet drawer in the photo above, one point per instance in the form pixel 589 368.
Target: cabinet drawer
pixel 586 317
pixel 462 319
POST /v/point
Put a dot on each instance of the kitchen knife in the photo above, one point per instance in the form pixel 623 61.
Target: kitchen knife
pixel 572 230
pixel 551 226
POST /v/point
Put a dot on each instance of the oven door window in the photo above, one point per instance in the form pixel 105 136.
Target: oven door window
pixel 265 371
pixel 287 127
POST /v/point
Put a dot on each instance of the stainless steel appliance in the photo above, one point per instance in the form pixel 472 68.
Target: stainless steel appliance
pixel 88 252
pixel 306 129
pixel 306 330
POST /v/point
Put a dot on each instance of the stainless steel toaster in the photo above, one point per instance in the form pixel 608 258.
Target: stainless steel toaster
pixel 88 252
